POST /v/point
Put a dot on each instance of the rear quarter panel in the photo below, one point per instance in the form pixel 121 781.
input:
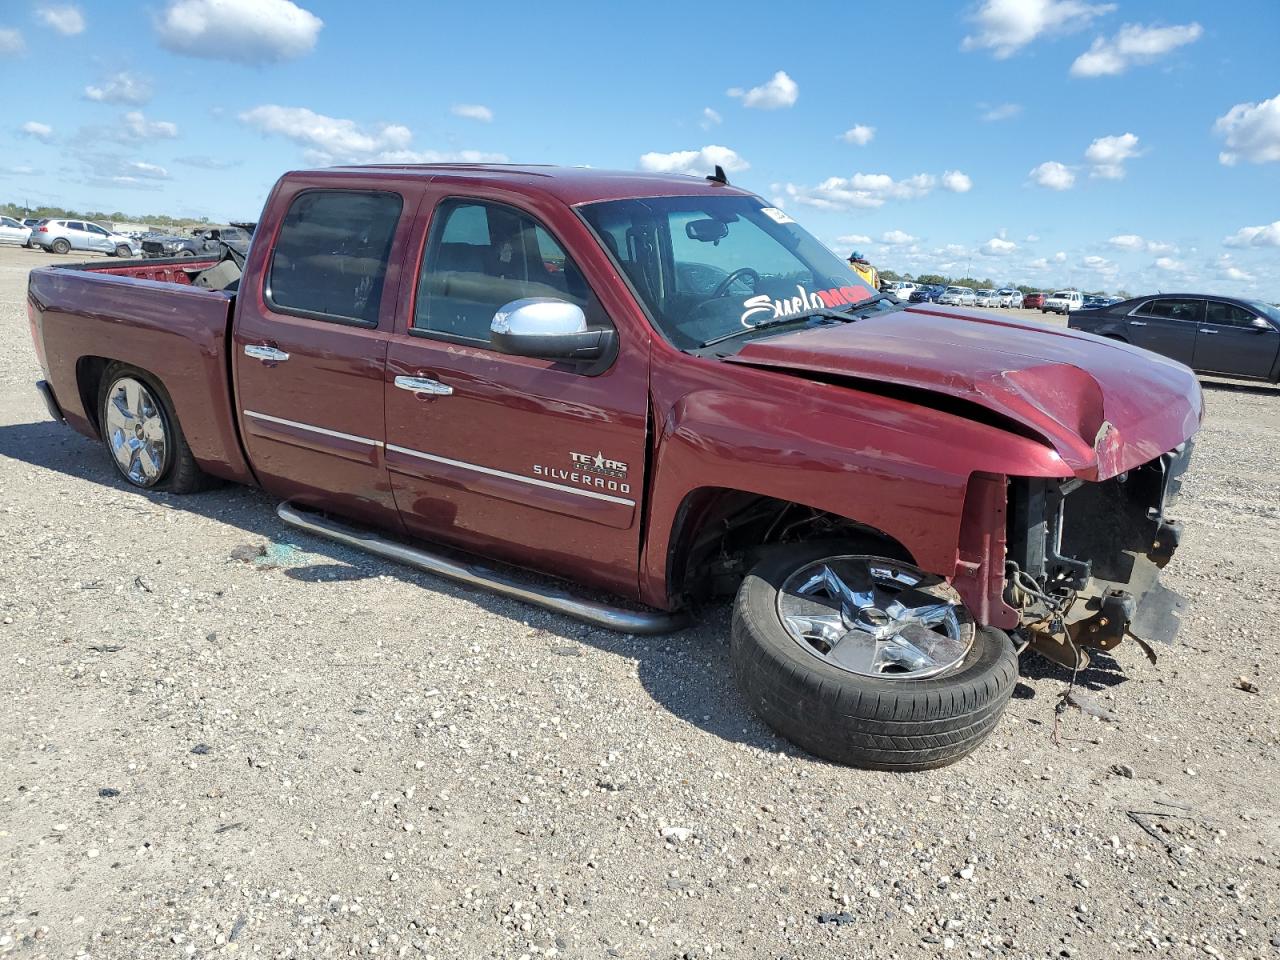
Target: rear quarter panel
pixel 176 332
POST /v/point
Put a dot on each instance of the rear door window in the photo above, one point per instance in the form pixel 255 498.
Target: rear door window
pixel 330 257
pixel 1171 309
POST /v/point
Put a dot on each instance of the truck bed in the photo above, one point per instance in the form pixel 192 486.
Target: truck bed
pixel 145 313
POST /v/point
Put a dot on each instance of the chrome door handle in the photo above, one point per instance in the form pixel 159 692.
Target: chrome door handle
pixel 1208 331
pixel 259 352
pixel 1137 323
pixel 424 385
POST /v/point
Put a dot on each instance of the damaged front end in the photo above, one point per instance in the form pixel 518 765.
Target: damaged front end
pixel 1083 559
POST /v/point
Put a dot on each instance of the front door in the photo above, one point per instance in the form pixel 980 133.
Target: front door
pixel 1230 343
pixel 310 347
pixel 537 462
pixel 98 238
pixel 1167 325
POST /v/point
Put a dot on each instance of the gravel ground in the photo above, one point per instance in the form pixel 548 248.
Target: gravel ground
pixel 313 753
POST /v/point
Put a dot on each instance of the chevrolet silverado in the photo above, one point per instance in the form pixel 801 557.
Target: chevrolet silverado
pixel 661 389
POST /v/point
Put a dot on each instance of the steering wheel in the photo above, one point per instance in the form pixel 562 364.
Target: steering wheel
pixel 723 286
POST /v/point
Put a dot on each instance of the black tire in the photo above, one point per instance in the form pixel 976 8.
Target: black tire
pixel 123 252
pixel 60 246
pixel 186 253
pixel 179 473
pixel 855 720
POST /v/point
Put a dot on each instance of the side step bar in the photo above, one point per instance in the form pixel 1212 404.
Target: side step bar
pixel 642 622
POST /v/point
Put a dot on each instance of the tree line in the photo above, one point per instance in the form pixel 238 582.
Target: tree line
pixel 20 212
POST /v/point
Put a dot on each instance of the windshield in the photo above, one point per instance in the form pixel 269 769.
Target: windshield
pixel 710 266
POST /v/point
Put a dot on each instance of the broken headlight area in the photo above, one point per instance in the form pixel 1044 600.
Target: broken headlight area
pixel 1083 559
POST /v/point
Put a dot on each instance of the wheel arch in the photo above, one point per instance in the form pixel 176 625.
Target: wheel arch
pixel 717 531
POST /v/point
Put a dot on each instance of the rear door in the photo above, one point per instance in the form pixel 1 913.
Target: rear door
pixel 537 462
pixel 1230 342
pixel 1167 325
pixel 310 343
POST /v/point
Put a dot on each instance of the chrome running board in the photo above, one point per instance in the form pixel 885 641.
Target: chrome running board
pixel 643 622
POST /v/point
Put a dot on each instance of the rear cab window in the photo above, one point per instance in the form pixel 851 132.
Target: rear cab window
pixel 331 254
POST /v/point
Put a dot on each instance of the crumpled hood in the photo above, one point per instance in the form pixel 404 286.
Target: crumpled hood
pixel 1103 406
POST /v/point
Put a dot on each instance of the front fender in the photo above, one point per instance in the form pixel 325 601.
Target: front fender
pixel 887 464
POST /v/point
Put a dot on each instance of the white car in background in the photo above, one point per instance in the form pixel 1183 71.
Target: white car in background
pixel 901 290
pixel 958 297
pixel 987 298
pixel 13 231
pixel 63 236
pixel 1009 297
pixel 1063 302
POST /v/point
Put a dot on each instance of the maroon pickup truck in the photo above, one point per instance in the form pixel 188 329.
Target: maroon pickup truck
pixel 662 389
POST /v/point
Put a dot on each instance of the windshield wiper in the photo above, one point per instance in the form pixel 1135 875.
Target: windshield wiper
pixel 849 315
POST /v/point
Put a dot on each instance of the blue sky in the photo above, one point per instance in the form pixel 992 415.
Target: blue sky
pixel 1132 145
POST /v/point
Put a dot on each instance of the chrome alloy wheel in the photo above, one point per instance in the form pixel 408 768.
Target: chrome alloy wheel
pixel 876 618
pixel 136 431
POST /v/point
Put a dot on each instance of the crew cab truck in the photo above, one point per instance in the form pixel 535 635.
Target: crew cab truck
pixel 663 389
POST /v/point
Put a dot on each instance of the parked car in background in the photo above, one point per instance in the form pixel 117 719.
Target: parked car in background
pixel 1210 334
pixel 63 236
pixel 1093 302
pixel 1063 302
pixel 1010 297
pixel 1033 301
pixel 14 231
pixel 202 242
pixel 958 297
pixel 986 298
pixel 900 290
pixel 927 293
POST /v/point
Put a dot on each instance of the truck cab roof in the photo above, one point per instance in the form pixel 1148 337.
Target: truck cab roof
pixel 570 185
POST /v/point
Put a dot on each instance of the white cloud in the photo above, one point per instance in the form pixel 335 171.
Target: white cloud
pixel 852 239
pixel 897 238
pixel 1108 154
pixel 138 127
pixel 710 118
pixel 1264 236
pixel 859 133
pixel 1000 111
pixel 1039 263
pixel 1229 271
pixel 1134 44
pixel 1033 238
pixel 11 41
pixel 422 156
pixel 149 171
pixel 472 111
pixel 1128 241
pixel 695 163
pixel 1006 26
pixel 37 130
pixel 956 182
pixel 1169 265
pixel 120 87
pixel 998 247
pixel 66 18
pixel 242 31
pixel 779 91
pixel 1054 175
pixel 1059 257
pixel 1099 264
pixel 1155 246
pixel 205 162
pixel 328 138
pixel 862 191
pixel 1252 132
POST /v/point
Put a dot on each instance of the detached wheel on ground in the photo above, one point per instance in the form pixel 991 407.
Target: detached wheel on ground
pixel 865 660
pixel 142 433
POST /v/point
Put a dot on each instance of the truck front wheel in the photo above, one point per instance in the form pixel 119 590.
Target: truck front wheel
pixel 142 433
pixel 865 660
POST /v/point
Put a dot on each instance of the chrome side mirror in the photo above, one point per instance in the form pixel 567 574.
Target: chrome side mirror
pixel 547 328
